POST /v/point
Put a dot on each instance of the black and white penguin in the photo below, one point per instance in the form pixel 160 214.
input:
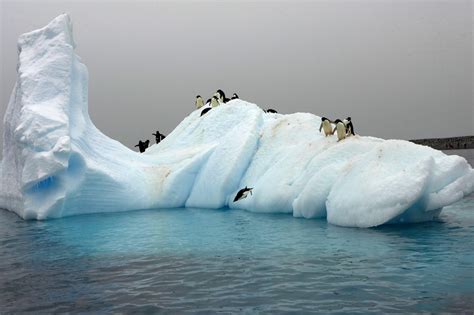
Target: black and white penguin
pixel 215 101
pixel 341 129
pixel 270 110
pixel 158 136
pixel 143 145
pixel 234 96
pixel 199 102
pixel 221 96
pixel 205 110
pixel 326 125
pixel 349 126
pixel 208 101
pixel 243 193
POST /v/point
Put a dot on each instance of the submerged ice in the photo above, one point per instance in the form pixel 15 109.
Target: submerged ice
pixel 57 163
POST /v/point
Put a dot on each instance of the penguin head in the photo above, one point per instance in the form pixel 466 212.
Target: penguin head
pixel 198 96
pixel 348 118
pixel 235 95
pixel 337 121
pixel 323 118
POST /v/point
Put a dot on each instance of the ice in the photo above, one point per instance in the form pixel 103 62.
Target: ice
pixel 56 163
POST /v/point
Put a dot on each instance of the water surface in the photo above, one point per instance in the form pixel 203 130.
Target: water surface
pixel 205 261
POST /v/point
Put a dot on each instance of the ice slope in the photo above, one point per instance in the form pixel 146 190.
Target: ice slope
pixel 57 163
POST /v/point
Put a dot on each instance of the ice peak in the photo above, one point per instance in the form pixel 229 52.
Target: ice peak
pixel 59 29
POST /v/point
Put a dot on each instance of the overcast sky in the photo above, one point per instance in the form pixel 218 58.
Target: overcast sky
pixel 401 69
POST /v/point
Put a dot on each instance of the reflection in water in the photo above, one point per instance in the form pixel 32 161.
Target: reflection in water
pixel 231 260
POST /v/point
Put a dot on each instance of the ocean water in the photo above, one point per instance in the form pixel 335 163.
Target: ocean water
pixel 468 154
pixel 232 261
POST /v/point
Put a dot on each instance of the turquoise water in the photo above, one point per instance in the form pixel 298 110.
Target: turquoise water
pixel 212 261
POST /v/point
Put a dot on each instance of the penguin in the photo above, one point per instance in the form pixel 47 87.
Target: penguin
pixel 341 130
pixel 349 126
pixel 243 193
pixel 143 145
pixel 326 126
pixel 208 101
pixel 158 136
pixel 270 110
pixel 199 102
pixel 221 96
pixel 214 101
pixel 205 110
pixel 234 96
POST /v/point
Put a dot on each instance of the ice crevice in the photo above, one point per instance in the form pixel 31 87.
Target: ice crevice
pixel 56 163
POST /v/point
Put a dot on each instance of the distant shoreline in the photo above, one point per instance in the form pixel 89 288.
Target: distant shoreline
pixel 453 143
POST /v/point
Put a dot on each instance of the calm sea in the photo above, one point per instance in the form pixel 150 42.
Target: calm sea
pixel 231 261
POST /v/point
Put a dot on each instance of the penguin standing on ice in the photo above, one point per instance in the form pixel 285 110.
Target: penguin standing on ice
pixel 199 102
pixel 158 136
pixel 234 96
pixel 214 101
pixel 341 129
pixel 326 126
pixel 349 126
pixel 143 145
pixel 243 193
pixel 221 96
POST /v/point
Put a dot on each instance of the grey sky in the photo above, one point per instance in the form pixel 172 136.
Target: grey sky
pixel 401 69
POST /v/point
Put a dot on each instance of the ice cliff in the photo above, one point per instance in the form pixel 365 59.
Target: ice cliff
pixel 57 163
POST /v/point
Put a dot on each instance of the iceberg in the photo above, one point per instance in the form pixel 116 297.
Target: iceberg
pixel 56 163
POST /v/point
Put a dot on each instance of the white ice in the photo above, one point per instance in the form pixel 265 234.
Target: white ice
pixel 57 163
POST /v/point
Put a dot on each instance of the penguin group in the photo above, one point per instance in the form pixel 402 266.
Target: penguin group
pixel 217 99
pixel 143 145
pixel 343 128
